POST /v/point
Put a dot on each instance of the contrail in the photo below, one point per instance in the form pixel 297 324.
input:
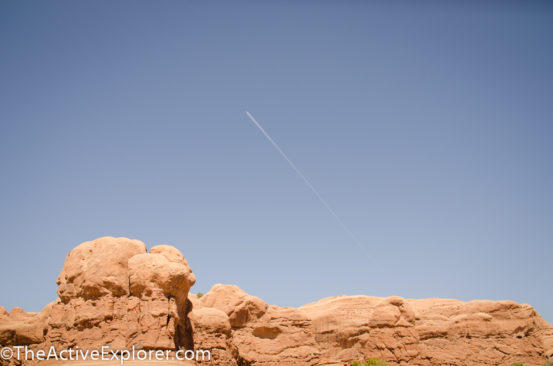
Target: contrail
pixel 308 183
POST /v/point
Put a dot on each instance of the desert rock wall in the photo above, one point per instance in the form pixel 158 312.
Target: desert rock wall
pixel 112 291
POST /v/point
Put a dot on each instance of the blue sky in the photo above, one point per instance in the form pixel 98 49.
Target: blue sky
pixel 428 128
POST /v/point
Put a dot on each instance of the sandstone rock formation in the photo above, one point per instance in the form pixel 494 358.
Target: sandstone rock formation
pixel 338 330
pixel 112 291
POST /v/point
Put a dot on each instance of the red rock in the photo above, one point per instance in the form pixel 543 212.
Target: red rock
pixel 113 292
pixel 239 306
pixel 97 268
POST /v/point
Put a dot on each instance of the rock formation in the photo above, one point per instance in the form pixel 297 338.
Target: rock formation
pixel 112 291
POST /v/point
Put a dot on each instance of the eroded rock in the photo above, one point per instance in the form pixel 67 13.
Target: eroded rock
pixel 113 292
pixel 97 268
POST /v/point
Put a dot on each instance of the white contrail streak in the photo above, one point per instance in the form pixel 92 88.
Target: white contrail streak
pixel 308 183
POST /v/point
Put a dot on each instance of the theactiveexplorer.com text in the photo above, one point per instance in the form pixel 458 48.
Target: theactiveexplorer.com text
pixel 23 353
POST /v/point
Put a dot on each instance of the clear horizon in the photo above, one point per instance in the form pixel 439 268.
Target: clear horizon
pixel 426 127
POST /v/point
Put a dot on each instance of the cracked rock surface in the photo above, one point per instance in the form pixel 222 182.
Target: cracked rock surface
pixel 112 291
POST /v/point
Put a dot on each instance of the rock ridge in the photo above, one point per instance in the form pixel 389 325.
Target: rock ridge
pixel 113 291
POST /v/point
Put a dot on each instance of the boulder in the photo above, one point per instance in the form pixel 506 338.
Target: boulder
pixel 97 268
pixel 240 307
pixel 152 274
